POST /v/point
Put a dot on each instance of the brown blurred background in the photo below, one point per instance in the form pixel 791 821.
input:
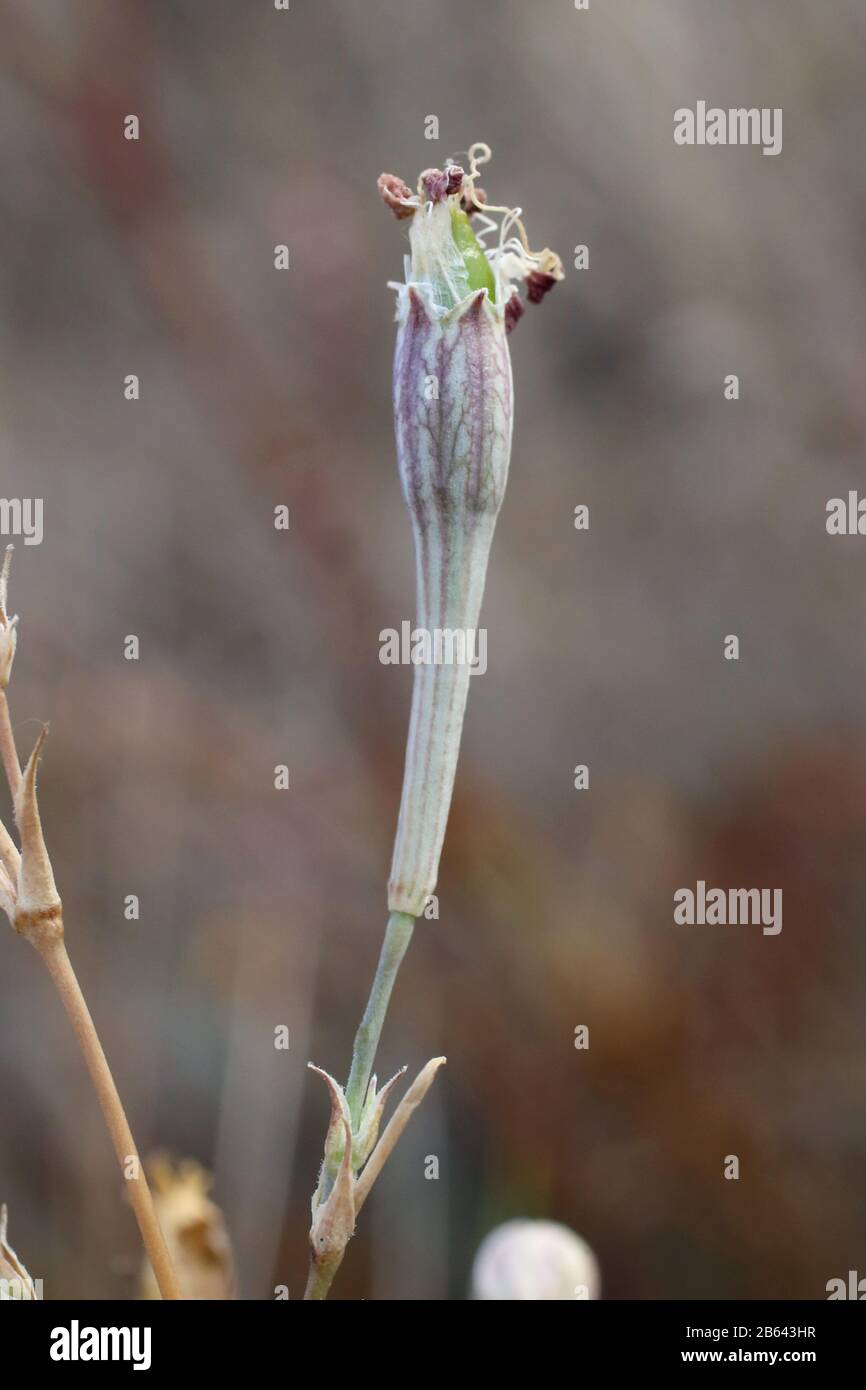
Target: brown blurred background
pixel 258 647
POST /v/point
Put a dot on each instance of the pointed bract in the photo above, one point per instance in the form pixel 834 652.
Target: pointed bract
pixel 371 1118
pixel 38 910
pixel 334 1218
pixel 394 1129
pixel 335 1137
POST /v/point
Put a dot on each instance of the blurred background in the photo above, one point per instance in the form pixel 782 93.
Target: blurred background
pixel 261 908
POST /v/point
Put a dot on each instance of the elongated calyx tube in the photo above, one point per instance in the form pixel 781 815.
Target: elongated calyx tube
pixel 453 412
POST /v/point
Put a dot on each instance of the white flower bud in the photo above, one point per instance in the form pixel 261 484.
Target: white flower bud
pixel 527 1261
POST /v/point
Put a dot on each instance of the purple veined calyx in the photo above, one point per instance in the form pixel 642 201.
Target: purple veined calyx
pixel 468 270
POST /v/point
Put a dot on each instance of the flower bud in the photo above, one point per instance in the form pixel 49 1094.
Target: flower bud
pixel 525 1261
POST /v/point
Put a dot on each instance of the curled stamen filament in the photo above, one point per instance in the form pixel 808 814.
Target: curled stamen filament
pixel 545 260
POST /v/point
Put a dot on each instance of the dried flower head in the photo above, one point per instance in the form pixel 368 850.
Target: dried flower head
pixel 450 257
pixel 194 1229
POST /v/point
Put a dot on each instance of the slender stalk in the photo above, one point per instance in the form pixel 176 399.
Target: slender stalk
pixel 8 751
pixel 398 934
pixel 60 969
pixel 320 1279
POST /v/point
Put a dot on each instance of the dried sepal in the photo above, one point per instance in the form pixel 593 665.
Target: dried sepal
pixel 17 1283
pixel 38 910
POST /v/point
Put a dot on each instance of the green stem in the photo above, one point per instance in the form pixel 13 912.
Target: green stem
pixel 320 1279
pixel 398 934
